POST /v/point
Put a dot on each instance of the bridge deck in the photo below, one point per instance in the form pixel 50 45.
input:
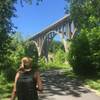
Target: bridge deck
pixel 52 26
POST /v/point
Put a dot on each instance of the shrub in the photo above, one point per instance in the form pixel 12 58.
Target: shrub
pixel 84 52
pixel 59 57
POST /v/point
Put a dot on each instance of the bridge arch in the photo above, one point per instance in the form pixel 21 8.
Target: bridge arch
pixel 36 45
pixel 61 26
pixel 46 36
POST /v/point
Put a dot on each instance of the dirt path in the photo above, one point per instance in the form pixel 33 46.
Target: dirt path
pixel 59 87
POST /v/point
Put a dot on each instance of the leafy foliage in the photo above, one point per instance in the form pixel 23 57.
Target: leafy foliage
pixel 6 28
pixel 84 50
pixel 85 13
pixel 18 50
pixel 10 53
pixel 84 53
pixel 59 57
pixel 94 42
pixel 31 51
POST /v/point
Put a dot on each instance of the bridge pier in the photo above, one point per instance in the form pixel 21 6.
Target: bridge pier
pixel 46 54
pixel 64 43
pixel 44 51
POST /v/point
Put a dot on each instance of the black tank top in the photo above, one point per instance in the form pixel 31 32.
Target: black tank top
pixel 26 86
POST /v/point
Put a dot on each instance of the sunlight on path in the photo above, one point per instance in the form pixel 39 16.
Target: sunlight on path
pixel 57 86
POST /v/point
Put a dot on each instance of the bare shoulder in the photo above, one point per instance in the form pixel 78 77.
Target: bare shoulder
pixel 17 74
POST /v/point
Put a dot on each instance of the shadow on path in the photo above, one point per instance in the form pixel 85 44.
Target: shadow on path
pixel 56 83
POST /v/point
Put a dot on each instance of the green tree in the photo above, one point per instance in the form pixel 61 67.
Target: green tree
pixel 14 57
pixel 85 13
pixel 84 50
pixel 31 51
pixel 84 53
pixel 59 57
pixel 7 11
pixel 18 50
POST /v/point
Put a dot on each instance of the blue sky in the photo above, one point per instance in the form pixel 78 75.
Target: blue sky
pixel 32 18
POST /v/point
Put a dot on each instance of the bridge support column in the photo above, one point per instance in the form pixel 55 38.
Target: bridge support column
pixel 64 43
pixel 45 51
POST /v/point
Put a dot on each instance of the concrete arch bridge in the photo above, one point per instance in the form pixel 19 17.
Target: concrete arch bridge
pixel 63 27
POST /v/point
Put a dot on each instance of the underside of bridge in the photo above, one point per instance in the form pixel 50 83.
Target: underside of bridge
pixel 63 27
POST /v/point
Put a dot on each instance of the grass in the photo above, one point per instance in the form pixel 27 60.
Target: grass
pixel 92 82
pixel 53 65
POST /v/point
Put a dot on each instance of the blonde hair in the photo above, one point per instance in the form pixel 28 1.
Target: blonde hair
pixel 25 60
